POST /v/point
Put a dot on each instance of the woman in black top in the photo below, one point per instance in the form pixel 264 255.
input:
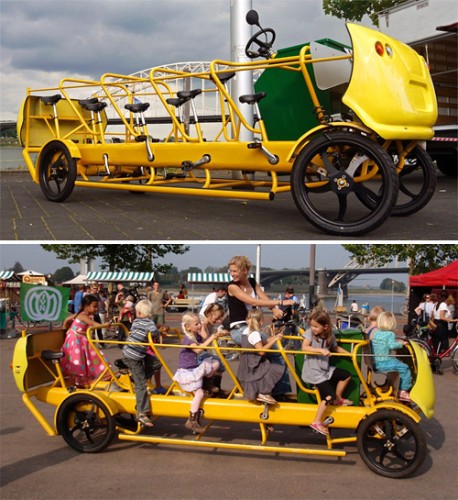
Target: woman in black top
pixel 244 293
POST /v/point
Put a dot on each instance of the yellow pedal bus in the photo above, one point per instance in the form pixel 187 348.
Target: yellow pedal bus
pixel 386 431
pixel 340 127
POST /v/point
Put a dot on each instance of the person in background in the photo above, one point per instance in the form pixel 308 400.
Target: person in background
pixel 78 298
pixel 212 298
pixel 451 316
pixel 160 301
pixel 354 307
pixel 289 312
pixel 373 315
pixel 425 309
pixel 184 291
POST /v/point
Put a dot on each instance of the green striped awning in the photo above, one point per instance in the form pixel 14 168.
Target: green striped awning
pixel 209 277
pixel 6 275
pixel 120 276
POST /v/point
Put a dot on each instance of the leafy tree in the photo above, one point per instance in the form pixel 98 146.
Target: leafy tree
pixel 17 268
pixel 398 286
pixel 119 257
pixel 356 10
pixel 421 258
pixel 63 274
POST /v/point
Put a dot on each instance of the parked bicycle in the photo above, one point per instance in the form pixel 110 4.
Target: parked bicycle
pixel 422 335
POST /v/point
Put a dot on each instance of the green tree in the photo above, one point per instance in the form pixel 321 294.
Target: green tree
pixel 388 283
pixel 421 258
pixel 119 257
pixel 356 10
pixel 63 274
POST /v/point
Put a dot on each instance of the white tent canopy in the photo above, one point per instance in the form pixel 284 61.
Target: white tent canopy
pixel 120 276
pixel 81 279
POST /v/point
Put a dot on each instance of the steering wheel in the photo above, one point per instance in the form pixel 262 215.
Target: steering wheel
pixel 264 46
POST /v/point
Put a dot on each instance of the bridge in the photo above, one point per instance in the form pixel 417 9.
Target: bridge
pixel 328 279
pixel 7 125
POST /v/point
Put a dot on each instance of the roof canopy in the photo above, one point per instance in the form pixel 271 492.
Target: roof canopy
pixel 121 276
pixel 209 278
pixel 444 277
pixel 6 275
pixel 81 279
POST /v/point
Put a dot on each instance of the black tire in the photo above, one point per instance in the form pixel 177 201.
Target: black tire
pixel 57 171
pixel 447 165
pixel 417 182
pixel 85 423
pixel 333 173
pixel 391 443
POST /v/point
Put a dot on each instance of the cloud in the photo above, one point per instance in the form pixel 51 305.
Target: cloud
pixel 43 41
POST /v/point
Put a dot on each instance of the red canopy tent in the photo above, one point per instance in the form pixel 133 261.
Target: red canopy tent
pixel 444 277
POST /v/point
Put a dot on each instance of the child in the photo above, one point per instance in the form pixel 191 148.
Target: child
pixel 256 373
pixel 190 374
pixel 135 357
pixel 382 341
pixel 81 362
pixel 373 315
pixel 329 380
pixel 211 323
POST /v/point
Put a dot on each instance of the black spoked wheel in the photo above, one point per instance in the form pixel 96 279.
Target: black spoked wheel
pixel 391 443
pixel 57 171
pixel 417 182
pixel 335 175
pixel 85 423
pixel 229 355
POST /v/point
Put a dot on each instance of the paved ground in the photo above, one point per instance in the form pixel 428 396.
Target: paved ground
pixel 36 466
pixel 90 214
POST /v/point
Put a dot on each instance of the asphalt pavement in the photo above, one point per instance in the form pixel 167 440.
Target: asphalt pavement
pixel 99 214
pixel 36 466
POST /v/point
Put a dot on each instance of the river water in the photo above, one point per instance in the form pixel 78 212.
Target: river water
pixel 11 158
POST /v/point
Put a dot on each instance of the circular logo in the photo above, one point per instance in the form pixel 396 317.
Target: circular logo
pixel 43 303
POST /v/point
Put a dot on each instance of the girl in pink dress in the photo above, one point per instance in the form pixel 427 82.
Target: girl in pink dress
pixel 81 362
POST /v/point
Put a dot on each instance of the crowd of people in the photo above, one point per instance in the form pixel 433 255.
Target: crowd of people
pixel 235 311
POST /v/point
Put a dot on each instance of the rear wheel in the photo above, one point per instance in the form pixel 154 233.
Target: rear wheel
pixel 85 423
pixel 344 183
pixel 57 171
pixel 417 182
pixel 391 443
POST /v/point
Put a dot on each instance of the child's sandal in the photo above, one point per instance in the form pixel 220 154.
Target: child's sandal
pixel 145 420
pixel 320 428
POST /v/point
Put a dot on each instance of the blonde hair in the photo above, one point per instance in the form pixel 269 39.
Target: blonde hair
pixel 213 308
pixel 386 321
pixel 185 320
pixel 375 313
pixel 254 320
pixel 241 262
pixel 145 308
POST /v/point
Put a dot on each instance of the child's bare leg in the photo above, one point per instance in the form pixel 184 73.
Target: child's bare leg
pixel 195 403
pixel 157 378
pixel 321 410
pixel 340 388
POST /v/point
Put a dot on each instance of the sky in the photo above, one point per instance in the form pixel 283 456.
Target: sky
pixel 43 41
pixel 202 255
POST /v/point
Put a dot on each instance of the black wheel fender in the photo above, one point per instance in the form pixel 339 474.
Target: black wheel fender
pixel 392 405
pixel 70 145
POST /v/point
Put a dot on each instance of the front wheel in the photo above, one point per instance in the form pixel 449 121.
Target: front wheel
pixel 85 423
pixel 391 443
pixel 57 171
pixel 336 174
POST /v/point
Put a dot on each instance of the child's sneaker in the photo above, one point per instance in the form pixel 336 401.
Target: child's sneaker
pixel 159 390
pixel 343 402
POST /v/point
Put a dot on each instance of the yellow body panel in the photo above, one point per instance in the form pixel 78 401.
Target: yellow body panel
pixel 423 392
pixel 392 95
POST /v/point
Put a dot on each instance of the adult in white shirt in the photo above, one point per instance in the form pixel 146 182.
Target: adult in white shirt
pixel 212 298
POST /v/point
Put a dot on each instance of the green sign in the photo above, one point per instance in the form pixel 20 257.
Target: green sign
pixel 44 303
